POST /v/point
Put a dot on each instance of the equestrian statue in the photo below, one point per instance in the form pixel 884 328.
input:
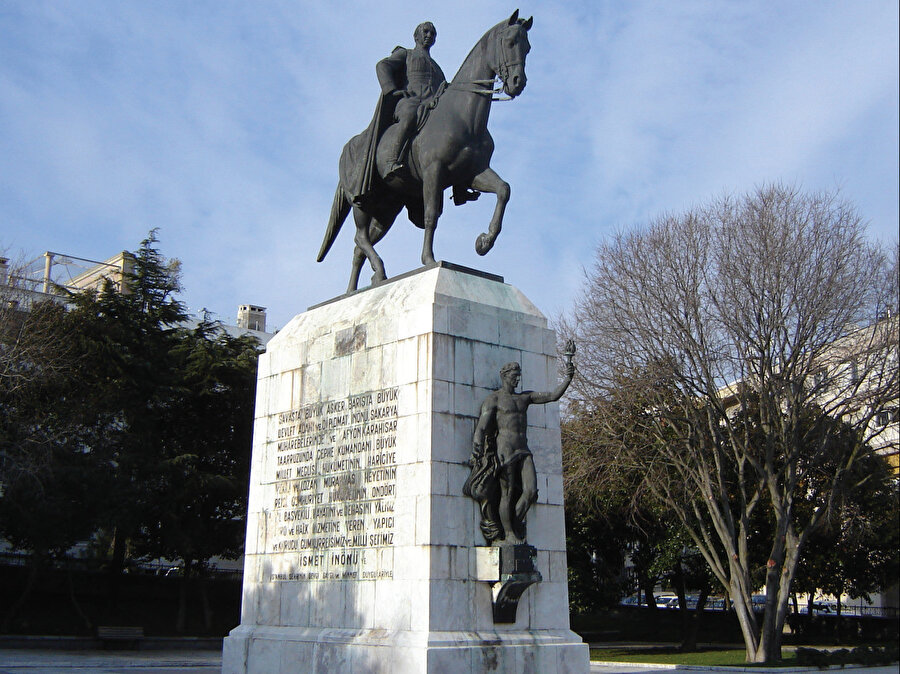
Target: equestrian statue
pixel 427 135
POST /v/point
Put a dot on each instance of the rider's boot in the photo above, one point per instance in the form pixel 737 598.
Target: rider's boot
pixel 396 166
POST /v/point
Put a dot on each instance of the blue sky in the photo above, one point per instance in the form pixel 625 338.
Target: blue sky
pixel 221 122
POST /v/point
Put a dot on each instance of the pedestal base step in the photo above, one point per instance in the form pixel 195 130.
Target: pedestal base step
pixel 283 650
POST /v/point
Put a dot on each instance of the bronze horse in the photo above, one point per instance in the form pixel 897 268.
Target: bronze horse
pixel 453 149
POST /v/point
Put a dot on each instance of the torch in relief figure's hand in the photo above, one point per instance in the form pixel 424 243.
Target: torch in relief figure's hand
pixel 569 355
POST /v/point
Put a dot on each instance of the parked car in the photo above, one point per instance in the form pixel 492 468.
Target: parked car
pixel 819 607
pixel 717 604
pixel 633 600
pixel 667 601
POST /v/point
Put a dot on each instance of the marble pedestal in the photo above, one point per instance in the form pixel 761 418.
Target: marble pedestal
pixel 362 553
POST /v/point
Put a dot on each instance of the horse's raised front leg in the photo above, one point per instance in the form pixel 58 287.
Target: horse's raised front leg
pixel 364 249
pixel 433 196
pixel 489 181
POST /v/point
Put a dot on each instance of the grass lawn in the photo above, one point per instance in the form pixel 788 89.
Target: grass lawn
pixel 672 656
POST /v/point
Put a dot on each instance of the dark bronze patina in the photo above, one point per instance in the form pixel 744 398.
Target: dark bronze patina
pixel 503 479
pixel 392 165
pixel 518 571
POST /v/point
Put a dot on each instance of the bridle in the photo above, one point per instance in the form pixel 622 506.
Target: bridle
pixel 487 87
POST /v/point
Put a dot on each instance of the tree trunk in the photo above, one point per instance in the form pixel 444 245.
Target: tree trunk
pixel 779 574
pixel 746 620
pixel 680 590
pixel 769 649
pixel 689 645
pixel 33 572
pixel 119 550
pixel 181 620
pixel 118 564
pixel 839 624
pixel 647 588
pixel 204 599
pixel 794 619
pixel 810 608
pixel 85 620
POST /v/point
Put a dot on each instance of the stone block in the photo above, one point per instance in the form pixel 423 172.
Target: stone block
pixel 405 526
pixel 520 335
pixel 362 608
pixel 395 599
pixel 407 361
pixel 362 554
pixel 537 373
pixel 466 402
pixel 412 563
pixel 331 657
pixel 264 655
pixel 450 660
pixel 459 563
pixel 234 655
pixel 443 446
pixel 311 382
pixel 557 565
pixel 442 397
pixel 336 377
pixel 295 605
pixel 423 520
pixel 463 362
pixel 449 605
pixel 443 349
pixel 448 522
pixel 268 604
pixel 439 478
pixel 486 564
pixel 554 490
pixel 550 347
pixel 365 370
pixel 294 652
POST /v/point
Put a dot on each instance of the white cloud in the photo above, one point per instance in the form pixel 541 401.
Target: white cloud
pixel 222 124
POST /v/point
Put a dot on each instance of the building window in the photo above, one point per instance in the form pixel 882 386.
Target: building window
pixel 854 371
pixel 819 379
pixel 886 417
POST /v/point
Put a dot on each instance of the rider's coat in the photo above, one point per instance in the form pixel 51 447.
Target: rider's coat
pixel 410 70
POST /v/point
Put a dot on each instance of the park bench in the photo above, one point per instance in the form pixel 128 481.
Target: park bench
pixel 120 636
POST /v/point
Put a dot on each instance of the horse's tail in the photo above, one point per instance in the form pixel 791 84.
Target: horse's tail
pixel 340 209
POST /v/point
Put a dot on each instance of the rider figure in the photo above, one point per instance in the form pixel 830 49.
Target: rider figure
pixel 412 76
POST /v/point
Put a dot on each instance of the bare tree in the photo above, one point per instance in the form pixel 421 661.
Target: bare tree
pixel 719 348
pixel 34 353
pixel 31 343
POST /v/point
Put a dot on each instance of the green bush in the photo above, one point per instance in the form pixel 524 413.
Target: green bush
pixel 862 655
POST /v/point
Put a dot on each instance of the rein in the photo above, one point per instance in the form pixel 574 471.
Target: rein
pixel 482 87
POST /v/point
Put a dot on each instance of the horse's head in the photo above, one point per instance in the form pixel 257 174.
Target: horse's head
pixel 512 47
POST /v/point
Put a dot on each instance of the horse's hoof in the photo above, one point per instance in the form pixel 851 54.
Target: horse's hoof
pixel 483 244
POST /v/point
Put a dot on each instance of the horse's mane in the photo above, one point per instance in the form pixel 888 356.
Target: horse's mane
pixel 483 43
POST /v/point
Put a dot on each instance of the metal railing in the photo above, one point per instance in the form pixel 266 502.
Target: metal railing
pixel 152 568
